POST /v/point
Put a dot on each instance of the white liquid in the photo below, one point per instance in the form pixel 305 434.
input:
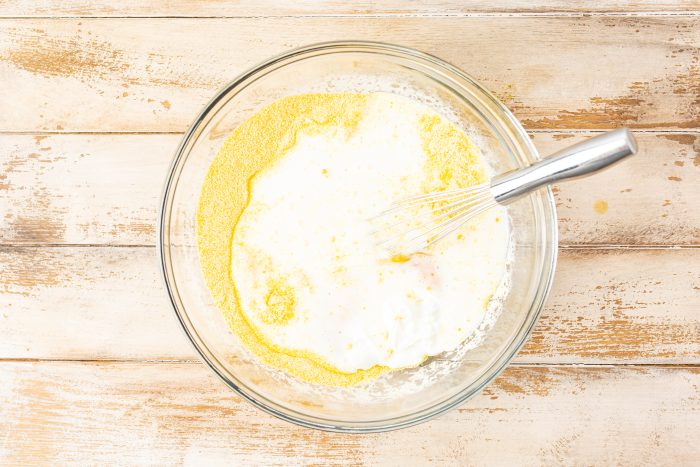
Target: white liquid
pixel 307 222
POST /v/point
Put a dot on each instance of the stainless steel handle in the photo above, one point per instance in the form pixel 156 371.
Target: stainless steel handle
pixel 575 161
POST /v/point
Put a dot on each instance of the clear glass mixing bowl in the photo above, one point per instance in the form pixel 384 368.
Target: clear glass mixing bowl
pixel 402 398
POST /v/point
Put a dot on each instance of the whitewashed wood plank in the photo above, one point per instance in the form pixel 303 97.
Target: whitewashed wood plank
pixel 617 306
pixel 606 306
pixel 649 199
pixel 82 188
pixel 86 303
pixel 207 8
pixel 105 189
pixel 166 414
pixel 155 74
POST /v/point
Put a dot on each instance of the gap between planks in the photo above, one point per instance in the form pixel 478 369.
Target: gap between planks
pixel 535 131
pixel 313 8
pixel 170 361
pixel 495 14
pixel 561 246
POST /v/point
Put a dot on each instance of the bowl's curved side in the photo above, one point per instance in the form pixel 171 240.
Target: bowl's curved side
pixel 524 151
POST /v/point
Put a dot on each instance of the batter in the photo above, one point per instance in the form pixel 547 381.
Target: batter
pixel 284 243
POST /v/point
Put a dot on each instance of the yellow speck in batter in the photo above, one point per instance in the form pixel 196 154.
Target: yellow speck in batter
pixel 400 258
pixel 279 301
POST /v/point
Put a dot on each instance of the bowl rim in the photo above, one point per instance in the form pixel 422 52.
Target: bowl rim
pixel 498 365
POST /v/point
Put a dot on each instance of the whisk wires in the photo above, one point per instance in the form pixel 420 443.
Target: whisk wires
pixel 415 223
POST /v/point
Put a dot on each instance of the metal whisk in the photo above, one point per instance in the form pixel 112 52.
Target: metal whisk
pixel 415 223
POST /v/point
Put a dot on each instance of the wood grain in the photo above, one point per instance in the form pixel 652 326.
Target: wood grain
pixel 606 306
pixel 135 413
pixel 105 189
pixel 207 8
pixel 86 303
pixel 93 367
pixel 617 306
pixel 82 188
pixel 155 74
pixel 649 199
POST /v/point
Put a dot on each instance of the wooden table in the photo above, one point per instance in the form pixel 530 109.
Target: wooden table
pixel 95 97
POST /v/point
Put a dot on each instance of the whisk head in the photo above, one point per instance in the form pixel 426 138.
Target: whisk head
pixel 413 224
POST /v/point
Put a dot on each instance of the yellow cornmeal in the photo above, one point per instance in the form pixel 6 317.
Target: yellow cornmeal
pixel 452 157
pixel 280 301
pixel 255 146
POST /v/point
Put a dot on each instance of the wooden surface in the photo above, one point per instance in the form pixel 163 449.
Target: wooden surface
pixel 93 367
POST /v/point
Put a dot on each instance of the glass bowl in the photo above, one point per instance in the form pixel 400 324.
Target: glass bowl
pixel 398 399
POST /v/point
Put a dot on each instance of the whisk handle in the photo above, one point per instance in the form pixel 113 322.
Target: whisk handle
pixel 575 161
